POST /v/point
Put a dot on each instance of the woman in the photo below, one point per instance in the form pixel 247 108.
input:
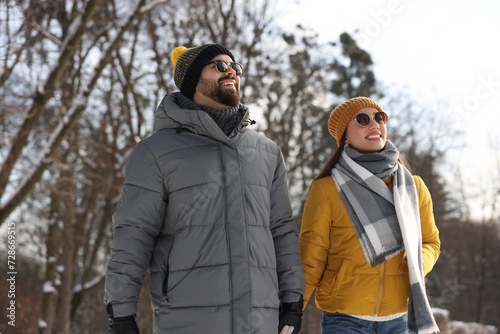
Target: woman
pixel 368 235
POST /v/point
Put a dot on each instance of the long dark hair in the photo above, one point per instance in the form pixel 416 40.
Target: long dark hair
pixel 327 170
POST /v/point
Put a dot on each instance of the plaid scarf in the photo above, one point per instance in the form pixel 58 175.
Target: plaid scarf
pixel 386 222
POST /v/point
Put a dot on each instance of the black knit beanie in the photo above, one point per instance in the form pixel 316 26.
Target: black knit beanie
pixel 188 64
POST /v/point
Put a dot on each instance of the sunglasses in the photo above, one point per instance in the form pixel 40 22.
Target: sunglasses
pixel 222 66
pixel 363 119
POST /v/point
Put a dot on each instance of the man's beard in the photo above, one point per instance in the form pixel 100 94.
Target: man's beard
pixel 211 89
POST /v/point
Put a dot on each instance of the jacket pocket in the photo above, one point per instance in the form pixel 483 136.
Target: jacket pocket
pixel 164 287
pixel 332 279
pixel 341 276
pixel 166 266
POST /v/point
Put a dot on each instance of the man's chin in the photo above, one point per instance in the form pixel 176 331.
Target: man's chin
pixel 232 100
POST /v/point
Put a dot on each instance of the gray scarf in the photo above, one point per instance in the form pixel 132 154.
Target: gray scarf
pixel 386 222
pixel 226 119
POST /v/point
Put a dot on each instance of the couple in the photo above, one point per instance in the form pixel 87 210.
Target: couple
pixel 205 207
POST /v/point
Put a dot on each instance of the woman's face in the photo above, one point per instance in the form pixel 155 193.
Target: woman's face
pixel 368 139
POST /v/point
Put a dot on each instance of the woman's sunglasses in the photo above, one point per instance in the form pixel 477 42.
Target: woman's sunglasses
pixel 222 66
pixel 363 119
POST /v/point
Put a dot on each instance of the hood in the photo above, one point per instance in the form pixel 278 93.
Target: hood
pixel 169 115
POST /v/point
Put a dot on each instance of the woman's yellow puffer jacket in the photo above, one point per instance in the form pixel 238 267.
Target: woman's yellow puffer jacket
pixel 335 265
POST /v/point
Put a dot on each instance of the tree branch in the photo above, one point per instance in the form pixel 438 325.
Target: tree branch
pixel 42 95
pixel 65 126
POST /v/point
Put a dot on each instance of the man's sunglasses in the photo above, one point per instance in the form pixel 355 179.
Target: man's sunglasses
pixel 363 119
pixel 222 66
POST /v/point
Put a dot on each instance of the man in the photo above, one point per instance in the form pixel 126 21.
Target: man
pixel 205 207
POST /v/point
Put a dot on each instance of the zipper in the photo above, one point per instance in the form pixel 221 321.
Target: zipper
pixel 164 288
pixel 380 288
pixel 226 227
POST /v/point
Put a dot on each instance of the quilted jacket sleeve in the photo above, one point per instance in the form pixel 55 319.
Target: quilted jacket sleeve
pixel 137 221
pixel 285 236
pixel 431 244
pixel 315 237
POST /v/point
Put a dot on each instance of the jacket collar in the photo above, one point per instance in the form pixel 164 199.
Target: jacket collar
pixel 169 115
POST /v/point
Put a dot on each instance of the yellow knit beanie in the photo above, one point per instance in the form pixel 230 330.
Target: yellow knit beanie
pixel 342 114
pixel 189 62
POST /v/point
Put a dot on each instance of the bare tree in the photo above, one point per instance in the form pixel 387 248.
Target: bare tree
pixel 43 95
pixel 76 170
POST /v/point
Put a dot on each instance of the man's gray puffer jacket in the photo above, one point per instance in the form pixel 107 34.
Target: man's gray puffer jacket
pixel 210 215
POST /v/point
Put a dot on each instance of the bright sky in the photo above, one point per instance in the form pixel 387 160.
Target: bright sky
pixel 445 51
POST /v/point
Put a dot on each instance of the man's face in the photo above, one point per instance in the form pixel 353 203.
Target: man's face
pixel 222 88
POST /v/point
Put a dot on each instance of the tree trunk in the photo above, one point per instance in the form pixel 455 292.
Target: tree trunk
pixel 64 308
pixel 49 298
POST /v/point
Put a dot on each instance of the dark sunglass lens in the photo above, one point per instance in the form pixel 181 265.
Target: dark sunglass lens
pixel 237 68
pixel 221 65
pixel 363 119
pixel 381 117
